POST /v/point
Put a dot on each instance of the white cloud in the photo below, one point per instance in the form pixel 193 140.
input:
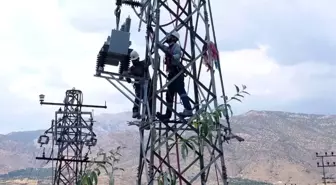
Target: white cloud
pixel 42 51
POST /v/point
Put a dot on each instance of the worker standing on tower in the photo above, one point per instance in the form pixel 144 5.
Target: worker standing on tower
pixel 174 66
pixel 138 69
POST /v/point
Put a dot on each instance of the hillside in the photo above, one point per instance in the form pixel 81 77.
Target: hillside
pixel 278 147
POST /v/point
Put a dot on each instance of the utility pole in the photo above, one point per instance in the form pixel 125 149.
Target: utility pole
pixel 325 163
pixel 72 138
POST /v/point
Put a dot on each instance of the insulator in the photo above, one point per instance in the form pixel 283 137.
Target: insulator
pixel 124 65
pixel 122 28
pixel 133 3
pixel 128 24
pixel 118 2
pixel 102 56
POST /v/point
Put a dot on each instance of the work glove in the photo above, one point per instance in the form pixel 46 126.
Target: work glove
pixel 128 80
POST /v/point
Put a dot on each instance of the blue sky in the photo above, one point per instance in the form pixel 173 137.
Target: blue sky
pixel 283 50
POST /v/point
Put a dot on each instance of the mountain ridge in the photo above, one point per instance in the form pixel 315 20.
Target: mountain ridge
pixel 279 146
pixel 128 113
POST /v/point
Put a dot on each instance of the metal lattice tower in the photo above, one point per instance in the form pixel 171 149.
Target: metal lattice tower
pixel 72 138
pixel 325 163
pixel 160 149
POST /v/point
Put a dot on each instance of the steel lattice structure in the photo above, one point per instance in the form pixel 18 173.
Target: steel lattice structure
pixel 72 137
pixel 324 163
pixel 157 154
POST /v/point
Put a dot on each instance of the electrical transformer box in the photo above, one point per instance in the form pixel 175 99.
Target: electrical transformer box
pixel 119 43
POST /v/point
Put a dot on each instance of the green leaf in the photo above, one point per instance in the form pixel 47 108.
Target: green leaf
pixel 240 95
pixel 97 171
pixel 165 179
pixel 245 92
pixel 94 177
pixel 160 181
pixel 111 182
pixel 87 180
pixel 174 179
pixel 204 130
pixel 237 88
pixel 102 166
pixel 234 98
pixel 116 168
pixel 196 124
pixel 194 139
pixel 171 145
pixel 193 148
pixel 230 109
pixel 184 150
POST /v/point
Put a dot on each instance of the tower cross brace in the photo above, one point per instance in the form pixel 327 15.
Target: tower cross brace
pixel 161 147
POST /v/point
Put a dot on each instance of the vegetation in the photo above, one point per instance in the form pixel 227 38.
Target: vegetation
pixel 37 173
pixel 206 122
pixel 110 159
pixel 239 181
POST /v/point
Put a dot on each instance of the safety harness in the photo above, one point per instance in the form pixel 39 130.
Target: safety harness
pixel 168 61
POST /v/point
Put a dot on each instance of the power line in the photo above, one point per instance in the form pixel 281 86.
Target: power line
pixel 72 137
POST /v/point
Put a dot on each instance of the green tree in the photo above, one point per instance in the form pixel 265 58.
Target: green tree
pixel 93 171
pixel 208 123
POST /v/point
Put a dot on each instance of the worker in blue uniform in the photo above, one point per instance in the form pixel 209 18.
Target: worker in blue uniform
pixel 174 66
pixel 138 69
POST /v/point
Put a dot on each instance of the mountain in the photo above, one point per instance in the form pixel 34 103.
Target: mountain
pixel 279 147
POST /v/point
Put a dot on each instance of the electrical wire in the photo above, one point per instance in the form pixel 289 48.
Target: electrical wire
pixel 161 25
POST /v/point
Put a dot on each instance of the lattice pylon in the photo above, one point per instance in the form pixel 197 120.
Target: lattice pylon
pixel 160 149
pixel 73 132
pixel 72 137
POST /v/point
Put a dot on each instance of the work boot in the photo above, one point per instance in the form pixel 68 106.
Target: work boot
pixel 186 113
pixel 136 115
pixel 163 117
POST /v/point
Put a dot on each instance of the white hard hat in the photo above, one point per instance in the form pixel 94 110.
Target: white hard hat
pixel 134 55
pixel 175 34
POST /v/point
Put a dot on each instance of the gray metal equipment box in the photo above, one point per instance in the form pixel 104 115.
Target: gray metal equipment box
pixel 118 48
pixel 119 43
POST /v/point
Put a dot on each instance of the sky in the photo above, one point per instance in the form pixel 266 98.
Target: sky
pixel 282 50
